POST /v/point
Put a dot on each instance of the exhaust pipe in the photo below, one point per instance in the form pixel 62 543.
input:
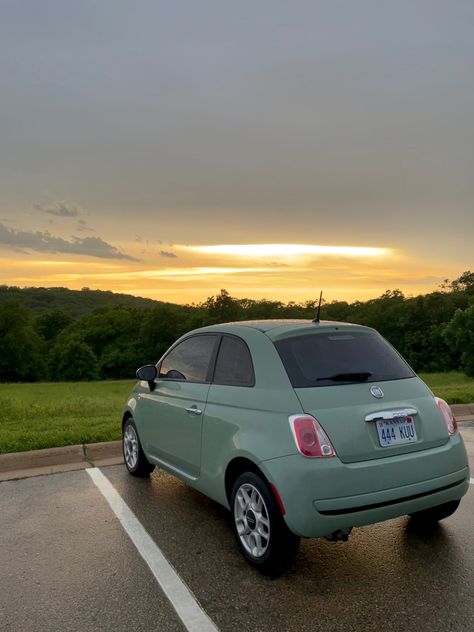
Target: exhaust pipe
pixel 341 535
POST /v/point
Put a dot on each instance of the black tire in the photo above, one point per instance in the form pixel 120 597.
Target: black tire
pixel 278 549
pixel 136 463
pixel 435 514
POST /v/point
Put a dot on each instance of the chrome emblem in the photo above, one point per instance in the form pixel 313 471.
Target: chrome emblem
pixel 376 391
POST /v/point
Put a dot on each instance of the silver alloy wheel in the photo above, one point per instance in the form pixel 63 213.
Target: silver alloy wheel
pixel 130 446
pixel 251 520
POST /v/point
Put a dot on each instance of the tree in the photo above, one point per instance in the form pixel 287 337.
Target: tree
pixel 158 329
pixel 121 361
pixel 223 308
pixel 107 326
pixel 21 349
pixel 51 324
pixel 74 361
pixel 464 283
pixel 459 333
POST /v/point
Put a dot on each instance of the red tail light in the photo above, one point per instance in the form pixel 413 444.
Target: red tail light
pixel 310 438
pixel 449 419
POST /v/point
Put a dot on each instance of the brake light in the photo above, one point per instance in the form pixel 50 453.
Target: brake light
pixel 310 438
pixel 449 419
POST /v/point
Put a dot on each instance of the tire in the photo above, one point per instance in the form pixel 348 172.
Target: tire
pixel 260 530
pixel 435 514
pixel 133 455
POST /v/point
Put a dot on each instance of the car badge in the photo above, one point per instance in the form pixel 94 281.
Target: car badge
pixel 376 391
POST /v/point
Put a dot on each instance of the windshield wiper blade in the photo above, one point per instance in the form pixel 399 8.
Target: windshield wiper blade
pixel 360 376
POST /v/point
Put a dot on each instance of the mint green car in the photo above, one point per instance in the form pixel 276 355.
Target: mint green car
pixel 300 428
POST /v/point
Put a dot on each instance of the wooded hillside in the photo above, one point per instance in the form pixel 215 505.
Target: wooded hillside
pixel 73 302
pixel 61 334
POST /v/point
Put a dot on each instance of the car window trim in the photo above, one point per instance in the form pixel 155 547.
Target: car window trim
pixel 212 359
pixel 252 385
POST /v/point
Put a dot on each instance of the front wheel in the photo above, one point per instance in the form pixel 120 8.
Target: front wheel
pixel 134 457
pixel 260 530
pixel 435 514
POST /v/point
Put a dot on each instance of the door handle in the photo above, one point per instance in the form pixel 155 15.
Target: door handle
pixel 392 414
pixel 194 410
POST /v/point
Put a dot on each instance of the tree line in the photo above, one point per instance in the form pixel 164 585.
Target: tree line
pixel 434 332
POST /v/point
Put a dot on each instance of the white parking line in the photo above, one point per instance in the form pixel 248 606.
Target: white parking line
pixel 471 481
pixel 181 598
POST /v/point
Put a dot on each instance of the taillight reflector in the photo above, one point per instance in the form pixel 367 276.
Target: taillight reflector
pixel 278 499
pixel 310 438
pixel 449 419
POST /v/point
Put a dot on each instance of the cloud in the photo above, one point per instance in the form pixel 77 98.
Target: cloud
pixel 169 255
pixel 60 208
pixel 45 242
pixel 83 227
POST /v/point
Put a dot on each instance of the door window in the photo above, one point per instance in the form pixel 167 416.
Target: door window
pixel 234 364
pixel 189 360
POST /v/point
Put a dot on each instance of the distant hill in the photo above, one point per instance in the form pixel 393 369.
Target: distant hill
pixel 73 302
pixel 82 335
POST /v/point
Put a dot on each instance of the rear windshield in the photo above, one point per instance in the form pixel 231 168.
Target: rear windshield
pixel 331 358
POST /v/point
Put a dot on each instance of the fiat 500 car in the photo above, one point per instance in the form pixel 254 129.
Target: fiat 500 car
pixel 300 428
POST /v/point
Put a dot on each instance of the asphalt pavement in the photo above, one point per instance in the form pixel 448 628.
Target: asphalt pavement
pixel 68 563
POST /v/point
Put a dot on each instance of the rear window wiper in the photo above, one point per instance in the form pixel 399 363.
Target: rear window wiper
pixel 361 376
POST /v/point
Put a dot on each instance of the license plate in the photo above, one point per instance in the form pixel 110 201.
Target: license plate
pixel 396 431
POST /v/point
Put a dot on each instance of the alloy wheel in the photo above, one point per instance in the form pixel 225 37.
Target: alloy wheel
pixel 252 520
pixel 130 447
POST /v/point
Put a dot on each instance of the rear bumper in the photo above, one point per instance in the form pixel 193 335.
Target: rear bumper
pixel 321 496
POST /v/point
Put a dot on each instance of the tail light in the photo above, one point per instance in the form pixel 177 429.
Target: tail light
pixel 449 419
pixel 310 438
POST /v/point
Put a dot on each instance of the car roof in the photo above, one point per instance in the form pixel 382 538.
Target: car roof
pixel 282 328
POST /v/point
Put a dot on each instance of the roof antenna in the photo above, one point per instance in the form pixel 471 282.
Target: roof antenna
pixel 316 320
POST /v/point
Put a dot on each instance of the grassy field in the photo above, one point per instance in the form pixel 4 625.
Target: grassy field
pixel 55 414
pixel 454 387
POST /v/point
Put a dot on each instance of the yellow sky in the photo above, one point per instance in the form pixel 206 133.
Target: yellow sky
pixel 189 274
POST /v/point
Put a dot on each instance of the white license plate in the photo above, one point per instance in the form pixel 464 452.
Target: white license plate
pixel 396 431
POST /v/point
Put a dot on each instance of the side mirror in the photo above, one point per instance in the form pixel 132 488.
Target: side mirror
pixel 148 374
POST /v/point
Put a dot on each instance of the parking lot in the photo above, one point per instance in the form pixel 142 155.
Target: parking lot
pixel 69 563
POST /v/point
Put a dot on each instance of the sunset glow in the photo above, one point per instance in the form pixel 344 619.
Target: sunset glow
pixel 285 250
pixel 288 272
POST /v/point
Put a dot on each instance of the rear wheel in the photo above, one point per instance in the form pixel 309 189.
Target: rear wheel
pixel 259 528
pixel 435 514
pixel 134 457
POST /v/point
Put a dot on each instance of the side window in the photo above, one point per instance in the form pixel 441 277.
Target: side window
pixel 234 364
pixel 189 360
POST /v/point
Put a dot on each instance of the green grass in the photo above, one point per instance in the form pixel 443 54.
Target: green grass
pixel 46 415
pixel 454 387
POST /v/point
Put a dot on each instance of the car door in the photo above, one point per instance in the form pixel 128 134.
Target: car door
pixel 171 415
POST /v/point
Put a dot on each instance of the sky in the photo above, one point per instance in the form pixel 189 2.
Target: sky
pixel 274 149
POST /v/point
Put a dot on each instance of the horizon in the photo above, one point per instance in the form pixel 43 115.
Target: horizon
pixel 170 150
pixel 216 293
